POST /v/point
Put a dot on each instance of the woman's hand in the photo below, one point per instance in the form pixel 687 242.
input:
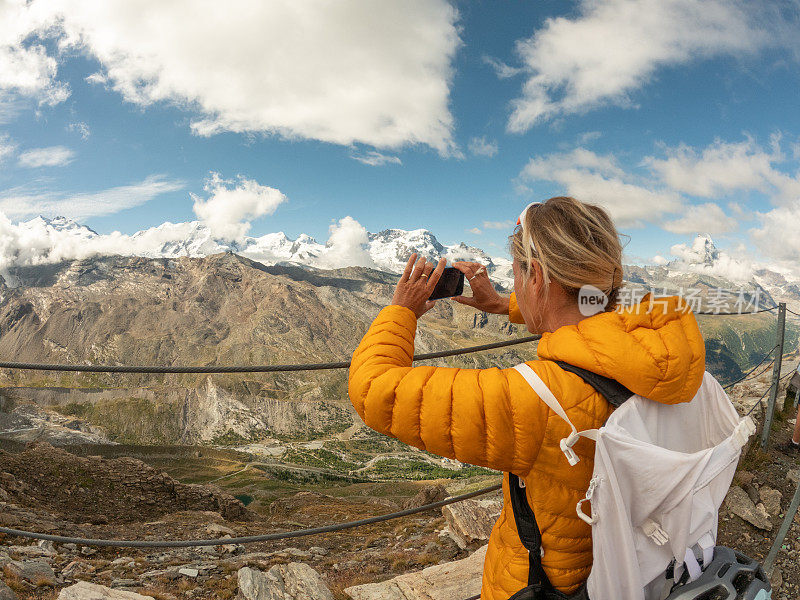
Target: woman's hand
pixel 484 296
pixel 417 284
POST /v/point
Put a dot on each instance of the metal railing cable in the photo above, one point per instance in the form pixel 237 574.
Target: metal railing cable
pixel 248 369
pixel 155 369
pixel 736 314
pixel 750 372
pixel 268 537
pixel 764 395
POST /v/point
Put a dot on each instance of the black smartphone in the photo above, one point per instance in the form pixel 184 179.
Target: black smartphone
pixel 451 283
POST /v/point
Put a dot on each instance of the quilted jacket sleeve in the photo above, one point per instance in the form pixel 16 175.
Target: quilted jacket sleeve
pixel 485 417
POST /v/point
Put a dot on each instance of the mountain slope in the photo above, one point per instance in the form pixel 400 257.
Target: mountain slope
pixel 223 309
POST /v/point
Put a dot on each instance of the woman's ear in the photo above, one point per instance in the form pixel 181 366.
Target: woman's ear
pixel 535 277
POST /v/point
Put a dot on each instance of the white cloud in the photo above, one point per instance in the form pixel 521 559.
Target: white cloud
pixel 81 128
pixel 502 70
pixel 613 47
pixel 52 156
pixel 231 205
pixel 588 137
pixel 26 69
pixel 702 218
pixel 722 167
pixel 659 260
pixel 40 241
pixel 480 146
pixel 376 159
pixel 7 147
pixel 344 72
pixel 348 246
pixel 474 231
pixel 498 224
pixel 22 203
pixel 776 235
pixel 599 179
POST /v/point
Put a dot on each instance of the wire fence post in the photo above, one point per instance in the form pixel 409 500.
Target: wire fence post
pixel 787 523
pixel 776 376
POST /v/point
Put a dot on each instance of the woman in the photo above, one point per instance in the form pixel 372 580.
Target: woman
pixel 491 417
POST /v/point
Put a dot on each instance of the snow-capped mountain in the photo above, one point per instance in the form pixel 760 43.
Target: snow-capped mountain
pixel 42 240
pixel 52 240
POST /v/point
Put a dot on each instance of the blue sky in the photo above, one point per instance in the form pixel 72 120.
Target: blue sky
pixel 680 116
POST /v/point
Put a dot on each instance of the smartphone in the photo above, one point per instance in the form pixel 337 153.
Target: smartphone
pixel 451 283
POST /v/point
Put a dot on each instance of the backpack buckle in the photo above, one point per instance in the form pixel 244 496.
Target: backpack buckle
pixel 566 447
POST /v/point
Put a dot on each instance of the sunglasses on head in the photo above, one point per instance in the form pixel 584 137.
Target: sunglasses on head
pixel 521 223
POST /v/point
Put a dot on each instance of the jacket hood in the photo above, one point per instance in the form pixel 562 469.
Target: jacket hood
pixel 654 348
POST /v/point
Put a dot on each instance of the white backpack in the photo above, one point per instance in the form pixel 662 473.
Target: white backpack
pixel 660 475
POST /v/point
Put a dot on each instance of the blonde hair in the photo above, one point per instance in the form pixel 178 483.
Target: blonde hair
pixel 574 243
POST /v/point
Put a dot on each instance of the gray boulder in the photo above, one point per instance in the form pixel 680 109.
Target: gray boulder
pixel 295 581
pixel 36 572
pixel 771 499
pixel 6 593
pixel 458 579
pixel 740 504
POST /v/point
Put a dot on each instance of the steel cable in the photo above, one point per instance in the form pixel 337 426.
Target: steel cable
pixel 152 369
pixel 250 369
pixel 757 402
pixel 746 375
pixel 737 314
pixel 269 537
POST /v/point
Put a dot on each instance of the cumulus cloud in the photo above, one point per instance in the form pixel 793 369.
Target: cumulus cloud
pixel 348 246
pixel 232 204
pixel 613 47
pixel 480 146
pixel 376 159
pixel 708 218
pixel 599 179
pixel 344 72
pixel 52 156
pixel 42 241
pixel 475 231
pixel 724 167
pixel 775 235
pixel 22 202
pixel 26 69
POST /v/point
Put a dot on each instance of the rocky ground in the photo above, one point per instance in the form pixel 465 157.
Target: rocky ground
pixel 49 490
pixel 41 490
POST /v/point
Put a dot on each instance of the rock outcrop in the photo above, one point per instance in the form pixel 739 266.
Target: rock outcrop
pixel 458 579
pixel 6 593
pixel 84 590
pixel 295 581
pixel 472 520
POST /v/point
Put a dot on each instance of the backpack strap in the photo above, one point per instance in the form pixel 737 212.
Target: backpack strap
pixel 611 390
pixel 546 396
pixel 528 530
pixel 524 517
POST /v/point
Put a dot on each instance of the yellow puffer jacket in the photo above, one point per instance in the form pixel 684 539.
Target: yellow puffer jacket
pixel 492 418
